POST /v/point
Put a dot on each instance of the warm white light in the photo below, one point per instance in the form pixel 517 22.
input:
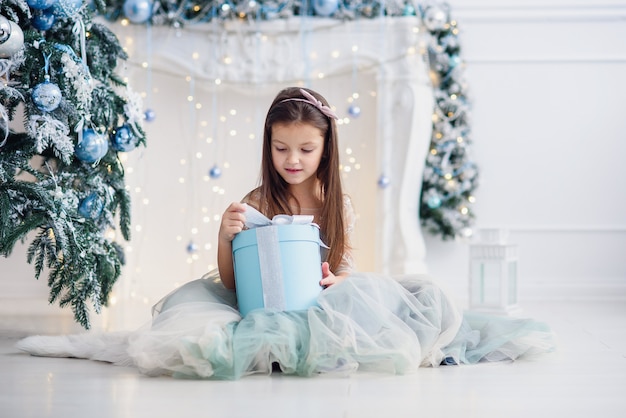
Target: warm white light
pixel 349 151
pixel 232 112
pixel 195 55
pixel 198 155
pixel 146 201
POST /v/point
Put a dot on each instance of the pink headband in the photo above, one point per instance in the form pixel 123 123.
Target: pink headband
pixel 310 99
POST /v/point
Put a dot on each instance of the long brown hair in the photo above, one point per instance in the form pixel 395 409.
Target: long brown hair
pixel 274 191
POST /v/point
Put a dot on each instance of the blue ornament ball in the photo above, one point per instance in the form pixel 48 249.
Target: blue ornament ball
pixel 123 139
pixel 354 111
pixel 91 207
pixel 409 10
pixel 43 19
pixel 325 7
pixel 67 8
pixel 138 11
pixel 46 96
pixel 383 181
pixel 433 202
pixel 93 147
pixel 215 172
pixel 41 4
pixel 192 247
pixel 150 115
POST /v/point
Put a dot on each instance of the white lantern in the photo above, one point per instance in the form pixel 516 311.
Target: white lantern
pixel 493 274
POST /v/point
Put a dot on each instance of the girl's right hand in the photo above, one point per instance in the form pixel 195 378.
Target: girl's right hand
pixel 233 221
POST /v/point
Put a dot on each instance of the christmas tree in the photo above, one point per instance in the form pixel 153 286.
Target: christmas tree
pixel 65 115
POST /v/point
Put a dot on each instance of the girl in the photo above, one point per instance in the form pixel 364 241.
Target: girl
pixel 362 321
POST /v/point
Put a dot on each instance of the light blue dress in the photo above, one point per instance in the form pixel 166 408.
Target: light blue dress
pixel 367 322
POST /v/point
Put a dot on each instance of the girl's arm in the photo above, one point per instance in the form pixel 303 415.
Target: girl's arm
pixel 347 265
pixel 329 278
pixel 232 223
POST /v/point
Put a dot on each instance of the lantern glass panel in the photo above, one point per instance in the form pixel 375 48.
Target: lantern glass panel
pixel 486 285
pixel 512 282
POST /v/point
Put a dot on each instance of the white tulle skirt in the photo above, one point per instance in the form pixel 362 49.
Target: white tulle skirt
pixel 367 322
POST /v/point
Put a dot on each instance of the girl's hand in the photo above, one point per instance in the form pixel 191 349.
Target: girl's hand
pixel 232 221
pixel 328 278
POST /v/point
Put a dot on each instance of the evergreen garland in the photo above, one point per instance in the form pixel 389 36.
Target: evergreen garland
pixel 450 176
pixel 63 204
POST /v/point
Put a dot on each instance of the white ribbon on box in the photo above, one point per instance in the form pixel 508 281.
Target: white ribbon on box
pixel 268 246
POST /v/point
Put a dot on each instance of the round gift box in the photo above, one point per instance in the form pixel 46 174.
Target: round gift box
pixel 291 265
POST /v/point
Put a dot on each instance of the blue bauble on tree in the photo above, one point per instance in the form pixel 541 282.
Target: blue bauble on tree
pixel 138 11
pixel 41 4
pixel 43 19
pixel 325 7
pixel 91 207
pixel 150 115
pixel 123 139
pixel 434 201
pixel 46 95
pixel 93 147
pixel 67 8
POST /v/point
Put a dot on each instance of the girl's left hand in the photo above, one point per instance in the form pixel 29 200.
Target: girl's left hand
pixel 328 278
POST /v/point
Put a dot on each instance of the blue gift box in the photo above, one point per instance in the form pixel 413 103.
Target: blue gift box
pixel 277 267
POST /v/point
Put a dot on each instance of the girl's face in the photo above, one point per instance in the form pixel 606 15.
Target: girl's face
pixel 297 150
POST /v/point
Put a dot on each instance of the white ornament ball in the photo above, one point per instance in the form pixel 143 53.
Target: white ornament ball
pixel 14 42
pixel 5 29
pixel 435 18
pixel 325 7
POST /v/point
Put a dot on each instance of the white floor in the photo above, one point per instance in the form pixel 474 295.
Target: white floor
pixel 585 377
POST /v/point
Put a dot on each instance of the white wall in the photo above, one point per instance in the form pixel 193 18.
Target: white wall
pixel 547 81
pixel 547 87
